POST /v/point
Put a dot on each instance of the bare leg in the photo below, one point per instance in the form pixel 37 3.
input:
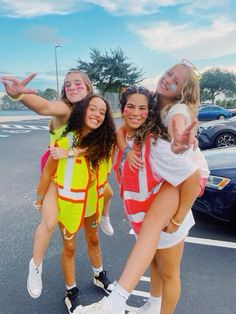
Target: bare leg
pixel 155 280
pixel 169 261
pixel 161 210
pixel 68 255
pixel 108 193
pixel 47 225
pixel 92 239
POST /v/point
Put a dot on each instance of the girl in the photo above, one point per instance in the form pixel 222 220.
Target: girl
pixel 157 218
pixel 76 86
pixel 81 182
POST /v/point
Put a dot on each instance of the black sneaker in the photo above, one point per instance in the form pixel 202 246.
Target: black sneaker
pixel 72 300
pixel 103 282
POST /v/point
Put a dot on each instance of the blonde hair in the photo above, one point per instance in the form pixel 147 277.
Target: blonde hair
pixel 190 93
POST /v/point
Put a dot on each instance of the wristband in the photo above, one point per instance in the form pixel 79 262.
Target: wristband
pixel 16 98
pixel 177 224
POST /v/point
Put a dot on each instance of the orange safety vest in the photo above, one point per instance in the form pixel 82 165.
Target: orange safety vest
pixel 137 187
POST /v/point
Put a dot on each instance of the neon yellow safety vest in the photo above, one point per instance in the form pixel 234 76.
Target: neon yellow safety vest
pixel 73 178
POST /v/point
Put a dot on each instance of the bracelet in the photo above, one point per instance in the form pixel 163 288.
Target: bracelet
pixel 177 224
pixel 125 152
pixel 16 98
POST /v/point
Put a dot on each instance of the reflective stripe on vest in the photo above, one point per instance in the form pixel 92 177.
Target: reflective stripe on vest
pixel 73 180
pixel 138 188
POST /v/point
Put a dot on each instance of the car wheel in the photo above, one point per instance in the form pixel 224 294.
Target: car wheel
pixel 221 117
pixel 225 139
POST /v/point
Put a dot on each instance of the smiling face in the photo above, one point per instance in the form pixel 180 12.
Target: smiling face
pixel 171 83
pixel 75 87
pixel 135 112
pixel 95 114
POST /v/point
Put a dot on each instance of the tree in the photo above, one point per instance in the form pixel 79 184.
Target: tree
pixel 110 71
pixel 216 81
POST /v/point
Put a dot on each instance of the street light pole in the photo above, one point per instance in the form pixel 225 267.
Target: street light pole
pixel 58 95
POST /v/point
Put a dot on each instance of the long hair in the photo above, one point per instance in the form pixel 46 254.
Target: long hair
pixel 149 125
pixel 190 93
pixel 99 142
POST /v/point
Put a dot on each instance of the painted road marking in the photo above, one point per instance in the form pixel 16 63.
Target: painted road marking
pixel 226 244
pixel 23 127
pixel 203 241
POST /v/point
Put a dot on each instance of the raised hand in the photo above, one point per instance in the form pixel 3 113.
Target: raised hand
pixel 182 141
pixel 15 87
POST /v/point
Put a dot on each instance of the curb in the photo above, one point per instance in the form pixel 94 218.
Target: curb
pixel 22 118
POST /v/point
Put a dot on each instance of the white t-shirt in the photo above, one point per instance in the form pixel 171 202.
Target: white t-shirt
pixel 174 169
pixel 196 155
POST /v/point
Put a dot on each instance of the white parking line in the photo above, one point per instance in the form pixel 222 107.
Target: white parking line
pixel 203 241
pixel 226 244
pixel 24 127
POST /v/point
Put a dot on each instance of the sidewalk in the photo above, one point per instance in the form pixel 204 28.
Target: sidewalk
pixel 21 118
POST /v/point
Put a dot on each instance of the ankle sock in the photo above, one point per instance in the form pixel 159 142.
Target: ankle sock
pixel 154 299
pixel 71 287
pixel 118 298
pixel 97 271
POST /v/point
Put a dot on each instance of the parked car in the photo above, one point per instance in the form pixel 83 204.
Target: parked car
pixel 217 133
pixel 213 112
pixel 219 198
pixel 233 110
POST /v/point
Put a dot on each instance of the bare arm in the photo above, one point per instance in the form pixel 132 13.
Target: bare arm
pixel 132 156
pixel 15 87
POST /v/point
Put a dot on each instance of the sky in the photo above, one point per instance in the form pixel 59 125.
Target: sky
pixel 154 35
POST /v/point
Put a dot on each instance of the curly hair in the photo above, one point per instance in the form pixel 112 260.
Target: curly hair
pixel 99 142
pixel 153 123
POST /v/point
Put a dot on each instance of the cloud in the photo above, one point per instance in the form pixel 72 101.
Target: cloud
pixel 21 8
pixel 45 34
pixel 195 42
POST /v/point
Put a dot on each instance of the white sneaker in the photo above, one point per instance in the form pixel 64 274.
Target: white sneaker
pixel 148 308
pixel 101 307
pixel 106 225
pixel 34 280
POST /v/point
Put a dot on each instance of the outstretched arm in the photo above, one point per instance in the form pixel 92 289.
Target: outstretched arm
pixel 17 88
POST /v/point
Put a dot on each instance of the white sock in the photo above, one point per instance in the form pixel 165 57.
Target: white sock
pixel 118 298
pixel 97 271
pixel 39 266
pixel 71 287
pixel 154 299
pixel 104 218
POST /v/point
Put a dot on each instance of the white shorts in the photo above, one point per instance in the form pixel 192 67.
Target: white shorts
pixel 171 239
pixel 168 240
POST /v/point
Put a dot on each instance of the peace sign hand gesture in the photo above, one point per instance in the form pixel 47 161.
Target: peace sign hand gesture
pixel 15 87
pixel 182 141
